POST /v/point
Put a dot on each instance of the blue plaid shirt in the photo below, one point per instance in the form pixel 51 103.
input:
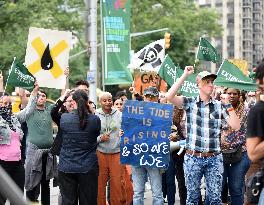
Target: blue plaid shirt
pixel 204 124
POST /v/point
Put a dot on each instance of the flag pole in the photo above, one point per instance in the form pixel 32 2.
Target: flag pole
pixel 9 75
pixel 196 60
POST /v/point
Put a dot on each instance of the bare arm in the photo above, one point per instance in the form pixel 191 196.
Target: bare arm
pixel 171 94
pixel 255 147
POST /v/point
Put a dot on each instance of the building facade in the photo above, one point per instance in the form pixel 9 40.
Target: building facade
pixel 243 29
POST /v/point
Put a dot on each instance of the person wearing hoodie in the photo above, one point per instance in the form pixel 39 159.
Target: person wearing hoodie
pixel 108 151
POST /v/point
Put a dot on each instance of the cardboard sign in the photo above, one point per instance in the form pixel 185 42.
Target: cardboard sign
pixel 146 79
pixel 47 56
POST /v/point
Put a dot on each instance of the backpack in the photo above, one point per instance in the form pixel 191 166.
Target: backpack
pixel 254 185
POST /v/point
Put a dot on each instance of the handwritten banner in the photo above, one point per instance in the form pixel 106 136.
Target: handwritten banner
pixel 146 128
pixel 146 79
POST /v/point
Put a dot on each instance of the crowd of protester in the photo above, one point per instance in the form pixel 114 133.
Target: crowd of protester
pixel 214 125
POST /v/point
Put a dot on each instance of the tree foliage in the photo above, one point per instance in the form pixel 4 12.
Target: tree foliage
pixel 17 16
pixel 185 21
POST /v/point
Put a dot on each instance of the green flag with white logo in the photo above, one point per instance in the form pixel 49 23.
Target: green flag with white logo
pixel 230 76
pixel 207 52
pixel 19 76
pixel 170 73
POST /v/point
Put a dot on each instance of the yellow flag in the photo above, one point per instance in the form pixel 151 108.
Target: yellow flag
pixel 241 64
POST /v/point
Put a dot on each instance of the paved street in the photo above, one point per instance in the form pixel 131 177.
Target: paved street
pixel 148 197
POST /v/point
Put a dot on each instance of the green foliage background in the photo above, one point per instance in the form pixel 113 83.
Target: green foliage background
pixel 185 21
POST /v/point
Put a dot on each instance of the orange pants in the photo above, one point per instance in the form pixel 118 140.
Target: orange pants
pixel 109 166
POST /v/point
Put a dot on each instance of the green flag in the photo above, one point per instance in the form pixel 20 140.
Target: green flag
pixel 207 52
pixel 230 76
pixel 170 73
pixel 19 76
pixel 189 87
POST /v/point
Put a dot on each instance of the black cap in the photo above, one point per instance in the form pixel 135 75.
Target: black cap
pixel 151 91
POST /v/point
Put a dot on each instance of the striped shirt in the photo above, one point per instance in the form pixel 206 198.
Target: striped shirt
pixel 204 124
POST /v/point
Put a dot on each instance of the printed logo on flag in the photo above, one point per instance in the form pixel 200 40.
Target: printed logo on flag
pixel 150 55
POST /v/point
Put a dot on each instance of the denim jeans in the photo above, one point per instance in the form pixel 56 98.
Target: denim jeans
pixel 139 176
pixel 212 169
pixel 261 197
pixel 235 175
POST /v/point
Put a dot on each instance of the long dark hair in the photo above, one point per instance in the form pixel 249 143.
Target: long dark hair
pixel 81 98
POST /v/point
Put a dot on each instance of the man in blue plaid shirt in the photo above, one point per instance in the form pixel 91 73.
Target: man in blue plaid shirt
pixel 204 118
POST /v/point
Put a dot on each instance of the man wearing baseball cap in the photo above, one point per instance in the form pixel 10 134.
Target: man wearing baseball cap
pixel 204 118
pixel 141 173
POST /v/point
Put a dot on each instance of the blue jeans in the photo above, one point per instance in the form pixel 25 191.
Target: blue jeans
pixel 139 176
pixel 194 169
pixel 261 197
pixel 235 175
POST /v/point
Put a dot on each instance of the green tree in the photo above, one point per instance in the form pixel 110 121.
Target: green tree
pixel 17 16
pixel 186 23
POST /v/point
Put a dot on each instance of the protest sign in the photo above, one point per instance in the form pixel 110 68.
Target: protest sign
pixel 146 79
pixel 47 56
pixel 146 126
pixel 241 64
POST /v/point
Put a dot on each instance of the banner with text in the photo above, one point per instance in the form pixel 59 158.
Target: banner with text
pixel 146 126
pixel 115 21
pixel 231 76
pixel 170 73
pixel 146 79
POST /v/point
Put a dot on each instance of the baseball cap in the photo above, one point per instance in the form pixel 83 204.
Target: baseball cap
pixel 151 91
pixel 205 74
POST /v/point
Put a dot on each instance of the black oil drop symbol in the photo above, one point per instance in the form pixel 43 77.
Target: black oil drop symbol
pixel 46 59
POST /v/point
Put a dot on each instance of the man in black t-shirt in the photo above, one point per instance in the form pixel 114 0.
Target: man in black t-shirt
pixel 255 125
pixel 255 128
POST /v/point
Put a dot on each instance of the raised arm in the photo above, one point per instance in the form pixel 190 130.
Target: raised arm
pixel 55 115
pixel 171 94
pixel 24 114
